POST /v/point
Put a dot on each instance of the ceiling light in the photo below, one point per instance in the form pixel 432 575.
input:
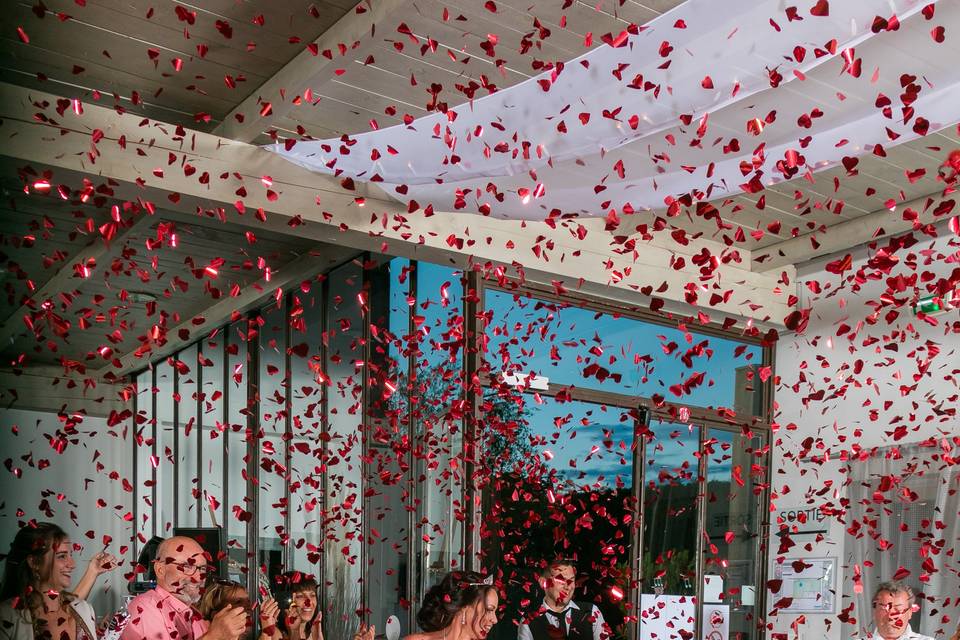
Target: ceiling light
pixel 140 297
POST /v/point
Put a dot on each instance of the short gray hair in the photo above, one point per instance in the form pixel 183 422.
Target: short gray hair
pixel 893 587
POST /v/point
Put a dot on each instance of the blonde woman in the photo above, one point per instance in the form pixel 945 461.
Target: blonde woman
pixel 35 601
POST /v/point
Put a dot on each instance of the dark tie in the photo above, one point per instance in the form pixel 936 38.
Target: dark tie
pixel 561 617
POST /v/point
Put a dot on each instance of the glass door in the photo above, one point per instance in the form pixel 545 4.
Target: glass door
pixel 671 487
pixel 735 465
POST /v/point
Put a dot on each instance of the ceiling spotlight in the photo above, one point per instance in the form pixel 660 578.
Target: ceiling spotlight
pixel 140 297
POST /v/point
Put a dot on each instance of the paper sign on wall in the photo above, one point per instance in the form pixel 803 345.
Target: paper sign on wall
pixel 712 588
pixel 664 617
pixel 808 584
pixel 716 622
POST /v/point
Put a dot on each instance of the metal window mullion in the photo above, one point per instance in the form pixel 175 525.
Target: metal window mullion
pixel 413 551
pixel 583 300
pixel 198 386
pixel 176 442
pixel 288 436
pixel 253 452
pixel 136 472
pixel 763 531
pixel 225 421
pixel 156 452
pixel 365 287
pixel 763 511
pixel 701 527
pixel 324 432
pixel 471 365
pixel 636 541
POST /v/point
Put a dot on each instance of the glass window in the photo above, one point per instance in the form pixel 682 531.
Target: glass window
pixel 213 429
pixel 670 488
pixel 360 401
pixel 671 474
pixel 571 345
pixel 387 519
pixel 307 381
pixel 438 393
pixel 563 489
pixel 235 491
pixel 165 465
pixel 143 453
pixel 272 460
pixel 188 437
pixel 735 475
pixel 343 481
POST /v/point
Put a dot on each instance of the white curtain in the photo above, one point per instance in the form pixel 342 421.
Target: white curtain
pixel 904 512
pixel 701 100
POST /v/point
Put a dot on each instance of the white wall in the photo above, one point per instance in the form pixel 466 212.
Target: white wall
pixel 820 361
pixel 71 485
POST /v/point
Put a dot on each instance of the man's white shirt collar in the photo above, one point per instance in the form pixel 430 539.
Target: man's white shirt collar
pixel 570 605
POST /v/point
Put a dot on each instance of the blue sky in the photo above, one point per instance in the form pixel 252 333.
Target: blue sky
pixel 632 348
pixel 623 344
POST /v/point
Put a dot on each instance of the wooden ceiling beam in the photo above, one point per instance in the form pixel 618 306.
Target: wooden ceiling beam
pixel 221 311
pixel 98 251
pixel 274 98
pixel 51 389
pixel 845 235
pixel 226 175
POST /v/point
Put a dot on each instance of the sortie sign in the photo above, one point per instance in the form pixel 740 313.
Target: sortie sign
pixel 802 520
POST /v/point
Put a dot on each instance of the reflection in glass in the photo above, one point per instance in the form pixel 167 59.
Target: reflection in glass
pixel 272 460
pixel 387 520
pixel 571 345
pixel 188 443
pixel 143 442
pixel 670 488
pixel 212 430
pixel 166 468
pixel 343 481
pixel 306 414
pixel 438 392
pixel 238 505
pixel 562 487
pixel 734 461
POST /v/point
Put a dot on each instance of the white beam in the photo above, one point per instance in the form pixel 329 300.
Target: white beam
pixel 252 116
pixel 331 214
pixel 219 313
pixel 50 391
pixel 846 235
pixel 98 250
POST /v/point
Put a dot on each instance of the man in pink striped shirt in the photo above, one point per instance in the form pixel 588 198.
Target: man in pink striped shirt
pixel 167 612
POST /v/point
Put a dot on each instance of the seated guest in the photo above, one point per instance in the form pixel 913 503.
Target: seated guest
pixel 223 593
pixel 893 604
pixel 462 607
pixel 167 612
pixel 35 599
pixel 560 616
pixel 302 617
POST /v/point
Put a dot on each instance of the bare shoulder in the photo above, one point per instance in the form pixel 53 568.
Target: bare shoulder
pixel 418 636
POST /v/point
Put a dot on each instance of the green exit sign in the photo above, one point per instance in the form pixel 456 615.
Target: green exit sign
pixel 929 305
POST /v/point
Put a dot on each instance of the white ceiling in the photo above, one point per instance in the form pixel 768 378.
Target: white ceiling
pixel 110 51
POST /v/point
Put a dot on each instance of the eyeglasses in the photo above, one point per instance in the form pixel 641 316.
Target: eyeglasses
pixel 893 610
pixel 191 569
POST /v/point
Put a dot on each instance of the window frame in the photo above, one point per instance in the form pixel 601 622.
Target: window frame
pixel 705 419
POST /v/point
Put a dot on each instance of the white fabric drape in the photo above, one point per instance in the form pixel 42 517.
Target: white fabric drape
pixel 905 508
pixel 614 129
